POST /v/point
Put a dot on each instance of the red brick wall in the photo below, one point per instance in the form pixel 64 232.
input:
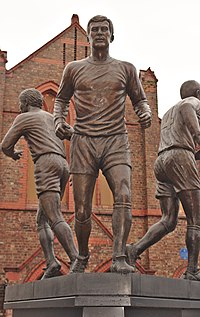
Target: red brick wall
pixel 164 256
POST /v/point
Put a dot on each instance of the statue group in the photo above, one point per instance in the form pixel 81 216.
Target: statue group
pixel 99 141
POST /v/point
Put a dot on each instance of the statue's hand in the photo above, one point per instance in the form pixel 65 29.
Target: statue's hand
pixel 60 130
pixel 69 131
pixel 64 131
pixel 145 120
pixel 17 155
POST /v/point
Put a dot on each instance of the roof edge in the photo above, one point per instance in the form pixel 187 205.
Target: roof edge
pixel 75 23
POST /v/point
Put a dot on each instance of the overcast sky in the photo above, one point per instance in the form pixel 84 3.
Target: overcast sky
pixel 161 34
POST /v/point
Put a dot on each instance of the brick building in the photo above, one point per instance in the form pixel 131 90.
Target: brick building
pixel 21 258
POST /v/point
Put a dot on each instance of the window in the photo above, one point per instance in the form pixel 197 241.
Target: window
pixel 49 99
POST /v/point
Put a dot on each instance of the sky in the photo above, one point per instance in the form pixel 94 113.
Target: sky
pixel 161 34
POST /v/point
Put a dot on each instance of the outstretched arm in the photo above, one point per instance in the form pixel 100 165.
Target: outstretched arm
pixel 14 154
pixel 8 143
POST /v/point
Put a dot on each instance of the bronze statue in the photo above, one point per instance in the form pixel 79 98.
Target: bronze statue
pixel 100 84
pixel 177 177
pixel 51 173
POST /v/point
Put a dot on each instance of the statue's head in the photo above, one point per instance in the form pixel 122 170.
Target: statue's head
pixel 190 88
pixel 30 97
pixel 102 18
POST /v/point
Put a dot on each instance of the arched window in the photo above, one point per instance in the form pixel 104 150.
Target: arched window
pixel 49 99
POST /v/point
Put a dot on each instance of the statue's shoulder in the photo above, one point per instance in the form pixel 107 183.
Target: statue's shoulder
pixel 190 102
pixel 75 65
pixel 78 63
pixel 129 67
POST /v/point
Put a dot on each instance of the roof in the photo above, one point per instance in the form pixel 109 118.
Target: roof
pixel 74 23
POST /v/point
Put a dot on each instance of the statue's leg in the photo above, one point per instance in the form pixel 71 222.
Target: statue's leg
pixel 121 224
pixel 170 208
pixel 50 202
pixel 46 238
pixel 118 178
pixel 191 205
pixel 83 188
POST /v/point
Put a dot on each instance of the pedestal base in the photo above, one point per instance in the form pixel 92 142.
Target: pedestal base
pixel 105 295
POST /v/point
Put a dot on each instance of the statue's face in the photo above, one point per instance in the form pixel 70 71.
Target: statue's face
pixel 99 34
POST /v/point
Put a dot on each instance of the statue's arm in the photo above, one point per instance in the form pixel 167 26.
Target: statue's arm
pixel 143 111
pixel 9 141
pixel 190 119
pixel 61 106
pixel 139 99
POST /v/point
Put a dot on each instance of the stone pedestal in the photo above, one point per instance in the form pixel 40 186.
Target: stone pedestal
pixel 104 295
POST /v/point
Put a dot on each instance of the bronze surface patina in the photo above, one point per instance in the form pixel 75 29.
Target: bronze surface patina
pixel 51 173
pixel 99 85
pixel 177 177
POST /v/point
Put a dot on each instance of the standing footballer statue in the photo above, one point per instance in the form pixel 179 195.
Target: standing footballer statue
pixel 99 85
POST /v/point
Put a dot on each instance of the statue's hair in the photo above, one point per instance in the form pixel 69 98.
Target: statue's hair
pixel 101 18
pixel 189 89
pixel 32 97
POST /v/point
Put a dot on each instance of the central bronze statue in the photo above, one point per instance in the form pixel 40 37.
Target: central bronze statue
pixel 99 85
